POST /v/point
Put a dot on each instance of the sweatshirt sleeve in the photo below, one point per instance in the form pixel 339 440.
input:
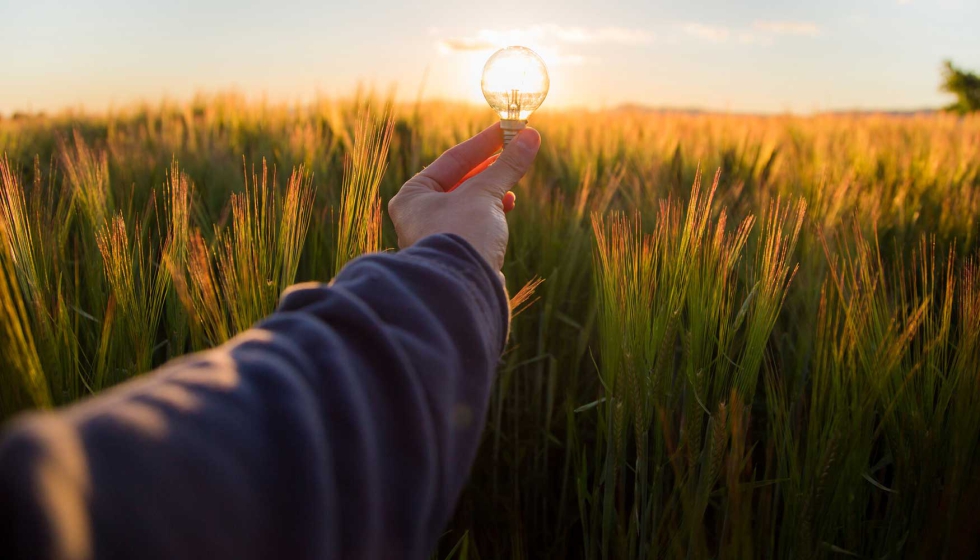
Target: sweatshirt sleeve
pixel 342 426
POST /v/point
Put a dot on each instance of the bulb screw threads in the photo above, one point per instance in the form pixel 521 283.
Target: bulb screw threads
pixel 510 128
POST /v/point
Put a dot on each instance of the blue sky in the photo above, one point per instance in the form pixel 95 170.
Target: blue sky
pixel 759 56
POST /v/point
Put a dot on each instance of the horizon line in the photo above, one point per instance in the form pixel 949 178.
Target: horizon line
pixel 263 100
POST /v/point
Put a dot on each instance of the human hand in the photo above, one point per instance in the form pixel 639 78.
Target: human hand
pixel 462 193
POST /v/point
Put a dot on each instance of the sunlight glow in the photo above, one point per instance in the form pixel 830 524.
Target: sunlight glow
pixel 515 82
pixel 760 58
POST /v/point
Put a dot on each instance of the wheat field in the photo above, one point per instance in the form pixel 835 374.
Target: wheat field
pixel 735 336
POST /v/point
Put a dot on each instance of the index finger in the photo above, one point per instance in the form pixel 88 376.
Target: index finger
pixel 457 161
pixel 475 171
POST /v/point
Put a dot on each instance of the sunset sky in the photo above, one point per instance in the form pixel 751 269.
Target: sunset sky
pixel 757 56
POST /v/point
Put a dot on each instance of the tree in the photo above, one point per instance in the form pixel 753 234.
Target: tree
pixel 964 85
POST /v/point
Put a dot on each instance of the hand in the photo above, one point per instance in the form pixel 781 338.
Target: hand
pixel 466 192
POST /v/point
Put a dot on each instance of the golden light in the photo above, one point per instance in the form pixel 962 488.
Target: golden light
pixel 515 83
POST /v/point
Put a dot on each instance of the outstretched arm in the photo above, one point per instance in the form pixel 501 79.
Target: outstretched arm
pixel 342 426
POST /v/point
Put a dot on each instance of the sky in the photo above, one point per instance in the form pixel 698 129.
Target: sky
pixel 747 56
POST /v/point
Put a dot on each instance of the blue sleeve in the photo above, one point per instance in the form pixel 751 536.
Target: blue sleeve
pixel 342 426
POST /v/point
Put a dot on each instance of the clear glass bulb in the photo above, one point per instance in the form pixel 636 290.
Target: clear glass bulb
pixel 515 83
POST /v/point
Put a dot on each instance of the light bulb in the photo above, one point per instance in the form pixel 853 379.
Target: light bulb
pixel 515 83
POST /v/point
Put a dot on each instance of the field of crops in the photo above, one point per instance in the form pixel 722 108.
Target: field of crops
pixel 781 360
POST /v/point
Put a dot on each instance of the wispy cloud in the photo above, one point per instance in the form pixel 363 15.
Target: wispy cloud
pixel 463 44
pixel 549 40
pixel 547 34
pixel 713 33
pixel 761 32
pixel 608 35
pixel 788 28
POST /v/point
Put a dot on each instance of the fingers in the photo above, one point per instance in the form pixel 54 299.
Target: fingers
pixel 475 171
pixel 512 164
pixel 456 162
pixel 510 200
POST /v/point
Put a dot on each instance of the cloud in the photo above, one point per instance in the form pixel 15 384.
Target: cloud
pixel 607 35
pixel 546 35
pixel 713 33
pixel 464 44
pixel 803 28
pixel 550 41
pixel 761 32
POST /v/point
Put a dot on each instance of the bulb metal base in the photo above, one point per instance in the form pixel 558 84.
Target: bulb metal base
pixel 510 128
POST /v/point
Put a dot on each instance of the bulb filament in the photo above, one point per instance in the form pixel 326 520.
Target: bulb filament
pixel 514 105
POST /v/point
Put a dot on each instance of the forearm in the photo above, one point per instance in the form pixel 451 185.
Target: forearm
pixel 342 426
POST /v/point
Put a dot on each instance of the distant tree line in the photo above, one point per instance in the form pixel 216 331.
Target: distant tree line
pixel 964 85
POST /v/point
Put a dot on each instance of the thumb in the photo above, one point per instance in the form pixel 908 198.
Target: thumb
pixel 512 164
